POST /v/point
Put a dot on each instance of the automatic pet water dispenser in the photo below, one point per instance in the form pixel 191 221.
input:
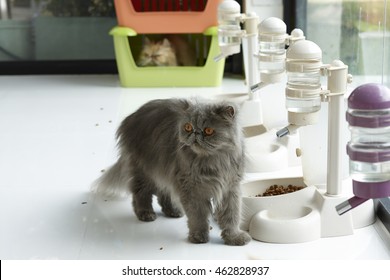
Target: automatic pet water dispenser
pixel 308 214
pixel 264 60
pixel 368 116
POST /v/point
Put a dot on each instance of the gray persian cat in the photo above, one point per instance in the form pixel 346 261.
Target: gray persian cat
pixel 190 155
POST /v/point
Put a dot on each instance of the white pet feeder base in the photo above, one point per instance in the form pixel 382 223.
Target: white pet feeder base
pixel 267 153
pixel 301 216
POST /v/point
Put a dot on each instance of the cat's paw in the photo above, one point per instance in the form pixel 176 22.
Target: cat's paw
pixel 146 216
pixel 237 238
pixel 168 208
pixel 173 213
pixel 198 237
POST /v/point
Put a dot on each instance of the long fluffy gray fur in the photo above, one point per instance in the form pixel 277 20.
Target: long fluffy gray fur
pixel 113 183
pixel 188 153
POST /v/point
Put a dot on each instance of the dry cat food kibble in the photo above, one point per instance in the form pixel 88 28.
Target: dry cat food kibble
pixel 277 190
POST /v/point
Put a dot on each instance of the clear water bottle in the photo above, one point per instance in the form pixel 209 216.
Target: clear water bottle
pixel 368 116
pixel 303 90
pixel 229 30
pixel 272 53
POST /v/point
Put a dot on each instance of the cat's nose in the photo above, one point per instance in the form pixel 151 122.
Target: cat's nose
pixel 197 132
pixel 198 135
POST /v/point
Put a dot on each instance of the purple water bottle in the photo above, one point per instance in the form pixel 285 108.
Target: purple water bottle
pixel 368 116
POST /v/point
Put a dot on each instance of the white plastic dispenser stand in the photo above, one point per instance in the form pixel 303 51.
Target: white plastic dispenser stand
pixel 309 213
pixel 264 56
pixel 300 216
pixel 252 113
pixel 266 152
pixel 230 37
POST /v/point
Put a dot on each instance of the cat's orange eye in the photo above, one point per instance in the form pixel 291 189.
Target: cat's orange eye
pixel 208 131
pixel 188 127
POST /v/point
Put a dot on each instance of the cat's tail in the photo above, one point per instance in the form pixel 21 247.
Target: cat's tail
pixel 114 182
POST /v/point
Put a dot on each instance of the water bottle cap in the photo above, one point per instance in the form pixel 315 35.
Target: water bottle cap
pixel 370 97
pixel 304 50
pixel 273 25
pixel 369 106
pixel 297 33
pixel 229 7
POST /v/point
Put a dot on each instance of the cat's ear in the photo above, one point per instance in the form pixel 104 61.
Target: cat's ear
pixel 166 43
pixel 184 104
pixel 226 111
pixel 147 41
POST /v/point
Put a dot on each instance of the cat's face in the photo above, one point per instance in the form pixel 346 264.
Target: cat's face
pixel 209 130
pixel 159 53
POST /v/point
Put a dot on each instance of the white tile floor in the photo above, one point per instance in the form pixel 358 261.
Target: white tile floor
pixel 57 134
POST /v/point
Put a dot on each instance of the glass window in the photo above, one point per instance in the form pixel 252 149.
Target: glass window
pixel 358 33
pixel 354 31
pixel 69 36
pixel 55 30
